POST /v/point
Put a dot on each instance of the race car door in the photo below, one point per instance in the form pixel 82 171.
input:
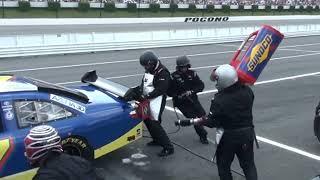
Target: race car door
pixel 13 163
pixel 6 139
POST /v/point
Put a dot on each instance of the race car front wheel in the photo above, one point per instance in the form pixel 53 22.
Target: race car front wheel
pixel 316 127
pixel 78 146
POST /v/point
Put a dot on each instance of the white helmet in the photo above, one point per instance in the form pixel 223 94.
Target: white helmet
pixel 225 75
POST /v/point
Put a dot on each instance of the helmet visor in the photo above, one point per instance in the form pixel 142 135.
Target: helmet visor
pixel 182 68
pixel 148 67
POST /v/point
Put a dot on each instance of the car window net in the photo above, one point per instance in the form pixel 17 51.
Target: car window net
pixel 36 112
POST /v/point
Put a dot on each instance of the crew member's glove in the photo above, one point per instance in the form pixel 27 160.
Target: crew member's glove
pixel 188 93
pixel 129 95
pixel 185 94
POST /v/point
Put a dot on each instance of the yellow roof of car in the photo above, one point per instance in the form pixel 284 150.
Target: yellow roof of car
pixel 5 78
pixel 9 83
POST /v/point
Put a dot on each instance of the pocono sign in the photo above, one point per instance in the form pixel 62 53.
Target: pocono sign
pixel 207 19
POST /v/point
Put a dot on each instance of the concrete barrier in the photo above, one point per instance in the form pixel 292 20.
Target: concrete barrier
pixel 46 44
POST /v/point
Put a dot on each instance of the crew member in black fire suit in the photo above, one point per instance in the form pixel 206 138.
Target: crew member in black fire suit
pixel 231 109
pixel 184 86
pixel 155 83
pixel 43 148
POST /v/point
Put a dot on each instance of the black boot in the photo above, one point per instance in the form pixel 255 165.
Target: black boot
pixel 204 140
pixel 166 152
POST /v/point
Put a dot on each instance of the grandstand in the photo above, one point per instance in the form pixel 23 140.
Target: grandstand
pixel 214 2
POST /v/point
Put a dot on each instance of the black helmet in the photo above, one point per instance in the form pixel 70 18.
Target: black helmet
pixel 148 58
pixel 183 61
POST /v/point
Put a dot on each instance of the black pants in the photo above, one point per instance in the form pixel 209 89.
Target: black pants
pixel 244 151
pixel 158 134
pixel 194 110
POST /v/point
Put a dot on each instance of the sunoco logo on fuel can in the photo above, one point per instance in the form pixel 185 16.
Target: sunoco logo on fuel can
pixel 259 53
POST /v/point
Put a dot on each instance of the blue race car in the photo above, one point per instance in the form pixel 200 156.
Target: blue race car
pixel 92 120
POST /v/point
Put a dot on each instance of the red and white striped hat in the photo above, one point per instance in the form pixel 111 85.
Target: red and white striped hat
pixel 39 141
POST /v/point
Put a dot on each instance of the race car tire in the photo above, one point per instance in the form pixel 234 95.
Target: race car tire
pixel 316 127
pixel 76 145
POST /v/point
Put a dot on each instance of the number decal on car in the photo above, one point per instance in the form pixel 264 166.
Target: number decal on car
pixel 6 147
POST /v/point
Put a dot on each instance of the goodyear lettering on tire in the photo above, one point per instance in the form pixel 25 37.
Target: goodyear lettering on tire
pixel 75 141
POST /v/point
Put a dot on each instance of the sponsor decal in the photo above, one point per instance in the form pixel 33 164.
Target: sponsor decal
pixel 8 110
pixel 259 53
pixel 6 105
pixel 207 19
pixel 9 115
pixel 131 138
pixel 68 103
pixel 138 132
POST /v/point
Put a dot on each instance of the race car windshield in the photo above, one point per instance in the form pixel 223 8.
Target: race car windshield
pixel 53 88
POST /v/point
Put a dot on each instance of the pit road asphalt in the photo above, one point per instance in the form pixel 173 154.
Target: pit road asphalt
pixel 285 100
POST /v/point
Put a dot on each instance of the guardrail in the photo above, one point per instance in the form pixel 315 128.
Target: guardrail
pixel 47 44
pixel 120 21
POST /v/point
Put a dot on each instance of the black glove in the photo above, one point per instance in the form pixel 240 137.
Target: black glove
pixel 185 94
pixel 183 123
pixel 129 95
pixel 188 93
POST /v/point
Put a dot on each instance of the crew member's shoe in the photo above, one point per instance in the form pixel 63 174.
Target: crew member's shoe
pixel 204 140
pixel 166 152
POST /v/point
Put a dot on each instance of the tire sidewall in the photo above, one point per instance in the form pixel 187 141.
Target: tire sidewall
pixel 80 144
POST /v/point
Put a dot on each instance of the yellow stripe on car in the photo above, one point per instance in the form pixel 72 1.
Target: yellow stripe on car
pixel 127 138
pixel 25 175
pixel 5 145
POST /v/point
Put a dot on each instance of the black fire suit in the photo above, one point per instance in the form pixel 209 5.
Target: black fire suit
pixel 188 105
pixel 58 166
pixel 231 109
pixel 160 83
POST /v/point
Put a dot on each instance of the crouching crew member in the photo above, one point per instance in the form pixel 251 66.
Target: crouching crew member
pixel 184 86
